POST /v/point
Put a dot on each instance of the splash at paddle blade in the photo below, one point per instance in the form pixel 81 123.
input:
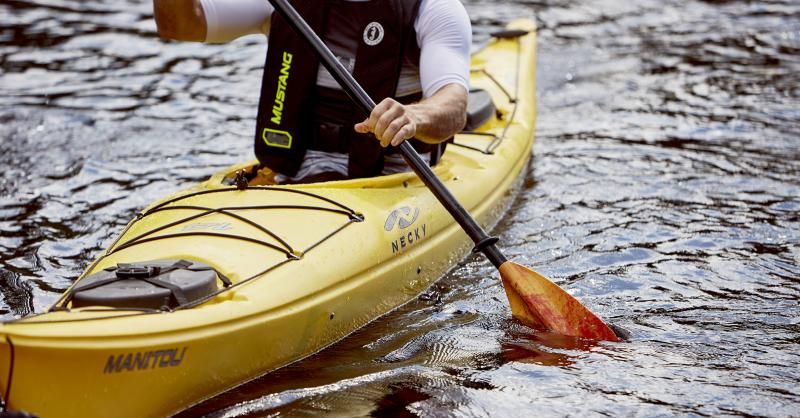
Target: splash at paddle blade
pixel 540 303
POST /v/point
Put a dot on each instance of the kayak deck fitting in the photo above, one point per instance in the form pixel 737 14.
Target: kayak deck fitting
pixel 296 268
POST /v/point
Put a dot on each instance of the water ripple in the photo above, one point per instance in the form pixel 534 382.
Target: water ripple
pixel 664 193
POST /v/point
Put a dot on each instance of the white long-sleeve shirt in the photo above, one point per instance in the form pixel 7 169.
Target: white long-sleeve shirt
pixel 444 35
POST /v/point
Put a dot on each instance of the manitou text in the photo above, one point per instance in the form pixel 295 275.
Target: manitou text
pixel 145 360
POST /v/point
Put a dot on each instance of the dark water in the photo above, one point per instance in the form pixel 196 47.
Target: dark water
pixel 664 192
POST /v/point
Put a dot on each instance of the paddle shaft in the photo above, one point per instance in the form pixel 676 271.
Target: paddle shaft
pixel 361 98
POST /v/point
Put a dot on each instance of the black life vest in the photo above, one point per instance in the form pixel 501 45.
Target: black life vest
pixel 295 114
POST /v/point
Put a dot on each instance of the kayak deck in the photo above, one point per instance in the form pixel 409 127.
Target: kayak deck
pixel 308 264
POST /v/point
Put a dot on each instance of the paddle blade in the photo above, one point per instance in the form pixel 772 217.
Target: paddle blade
pixel 540 303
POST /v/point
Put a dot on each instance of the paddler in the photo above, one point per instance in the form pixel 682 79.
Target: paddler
pixel 414 54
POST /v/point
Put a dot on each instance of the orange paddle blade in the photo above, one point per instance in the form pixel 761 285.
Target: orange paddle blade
pixel 541 304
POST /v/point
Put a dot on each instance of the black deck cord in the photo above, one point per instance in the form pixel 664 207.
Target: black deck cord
pixel 10 375
pixel 233 189
pixel 59 307
pixel 227 211
pixel 353 216
pixel 4 411
pixel 144 214
pixel 226 282
pixel 362 99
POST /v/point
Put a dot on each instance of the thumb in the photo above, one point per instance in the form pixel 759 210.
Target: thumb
pixel 362 127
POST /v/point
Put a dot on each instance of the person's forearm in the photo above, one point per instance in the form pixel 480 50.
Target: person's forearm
pixel 182 20
pixel 440 116
pixel 433 120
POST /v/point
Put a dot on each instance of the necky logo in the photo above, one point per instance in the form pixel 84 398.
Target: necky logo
pixel 373 34
pixel 401 217
pixel 401 223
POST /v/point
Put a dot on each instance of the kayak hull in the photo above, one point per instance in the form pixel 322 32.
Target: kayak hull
pixel 358 249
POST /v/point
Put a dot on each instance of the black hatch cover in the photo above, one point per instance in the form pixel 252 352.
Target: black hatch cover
pixel 148 285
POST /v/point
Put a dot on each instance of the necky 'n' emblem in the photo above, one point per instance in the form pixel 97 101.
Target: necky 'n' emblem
pixel 401 217
pixel 402 223
pixel 373 34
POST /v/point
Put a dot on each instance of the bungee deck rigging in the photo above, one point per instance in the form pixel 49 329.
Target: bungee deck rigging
pixel 146 237
pixel 496 140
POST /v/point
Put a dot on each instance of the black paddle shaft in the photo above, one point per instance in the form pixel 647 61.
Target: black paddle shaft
pixel 483 242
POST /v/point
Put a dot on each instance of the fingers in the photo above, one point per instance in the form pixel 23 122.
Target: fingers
pixel 407 131
pixel 368 125
pixel 385 118
pixel 399 130
pixel 362 127
pixel 389 122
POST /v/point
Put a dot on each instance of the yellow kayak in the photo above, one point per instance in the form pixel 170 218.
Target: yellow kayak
pixel 235 277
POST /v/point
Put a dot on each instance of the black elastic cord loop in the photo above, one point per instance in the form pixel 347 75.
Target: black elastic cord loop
pixel 226 282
